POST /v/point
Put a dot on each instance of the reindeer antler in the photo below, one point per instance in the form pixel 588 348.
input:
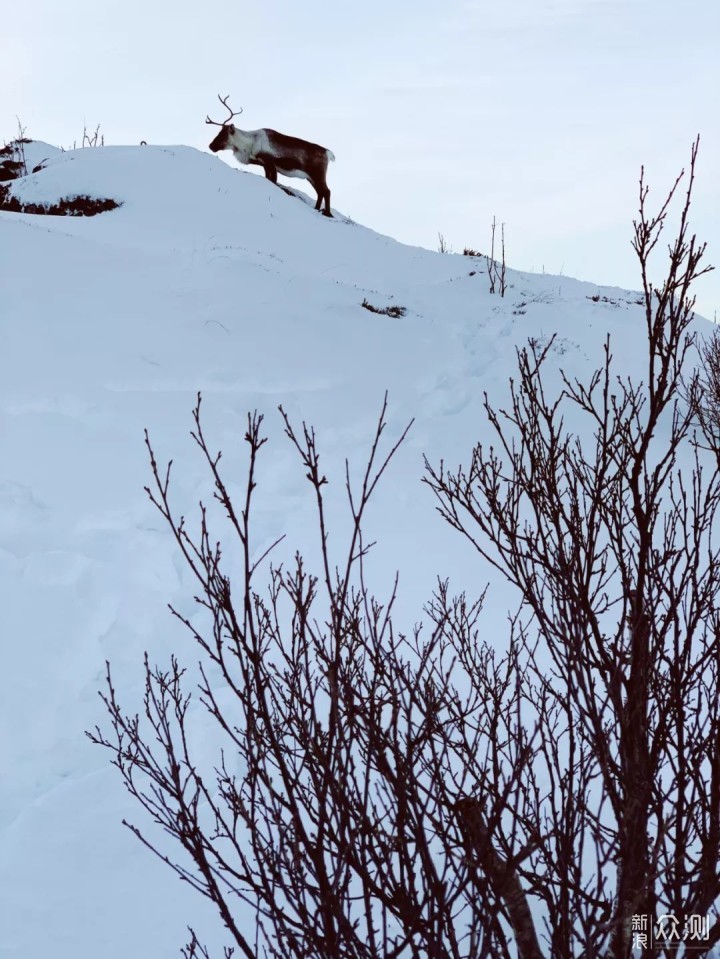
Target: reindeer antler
pixel 229 109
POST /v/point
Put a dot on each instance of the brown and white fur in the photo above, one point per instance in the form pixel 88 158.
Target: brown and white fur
pixel 278 153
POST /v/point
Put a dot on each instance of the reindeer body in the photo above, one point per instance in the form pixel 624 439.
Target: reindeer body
pixel 279 153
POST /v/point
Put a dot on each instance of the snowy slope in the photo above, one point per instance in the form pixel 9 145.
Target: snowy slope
pixel 205 278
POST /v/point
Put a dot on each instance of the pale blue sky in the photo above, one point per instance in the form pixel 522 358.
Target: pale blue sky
pixel 441 115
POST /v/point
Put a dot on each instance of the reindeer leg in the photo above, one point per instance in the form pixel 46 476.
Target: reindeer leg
pixel 326 211
pixel 270 169
pixel 322 194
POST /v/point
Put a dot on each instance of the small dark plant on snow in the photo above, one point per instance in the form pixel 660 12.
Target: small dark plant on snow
pixel 384 310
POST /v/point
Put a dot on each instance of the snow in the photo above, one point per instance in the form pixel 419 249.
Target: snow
pixel 206 278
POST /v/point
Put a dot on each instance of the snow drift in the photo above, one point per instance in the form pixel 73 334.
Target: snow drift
pixel 211 279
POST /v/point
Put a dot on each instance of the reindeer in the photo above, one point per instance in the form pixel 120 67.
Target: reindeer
pixel 276 153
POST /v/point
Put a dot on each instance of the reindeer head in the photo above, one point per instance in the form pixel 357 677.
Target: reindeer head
pixel 222 140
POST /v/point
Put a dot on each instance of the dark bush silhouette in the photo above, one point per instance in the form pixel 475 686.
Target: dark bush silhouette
pixel 12 159
pixel 69 206
pixel 611 545
pixel 427 794
pixel 702 392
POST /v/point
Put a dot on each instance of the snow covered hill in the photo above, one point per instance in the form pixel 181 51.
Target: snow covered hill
pixel 210 279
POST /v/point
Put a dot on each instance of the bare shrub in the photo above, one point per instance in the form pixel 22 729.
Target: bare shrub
pixel 612 544
pixel 703 390
pixel 89 139
pixel 432 793
pixel 94 139
pixel 496 271
pixel 20 142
